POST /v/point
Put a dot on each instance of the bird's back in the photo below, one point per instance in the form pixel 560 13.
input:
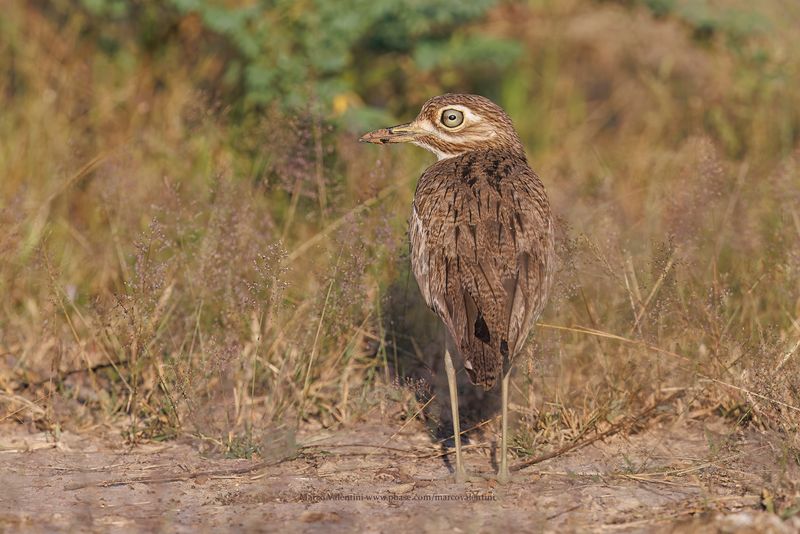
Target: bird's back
pixel 482 252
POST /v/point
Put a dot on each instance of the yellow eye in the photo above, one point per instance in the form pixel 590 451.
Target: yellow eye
pixel 452 118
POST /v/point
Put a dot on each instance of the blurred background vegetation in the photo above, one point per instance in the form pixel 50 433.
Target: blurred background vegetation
pixel 193 242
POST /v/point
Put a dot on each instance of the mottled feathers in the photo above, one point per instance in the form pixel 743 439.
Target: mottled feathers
pixel 482 252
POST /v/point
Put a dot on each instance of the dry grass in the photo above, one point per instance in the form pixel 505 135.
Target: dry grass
pixel 155 271
pixel 167 270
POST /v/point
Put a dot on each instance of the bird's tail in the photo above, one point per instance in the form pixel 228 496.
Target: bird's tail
pixel 485 363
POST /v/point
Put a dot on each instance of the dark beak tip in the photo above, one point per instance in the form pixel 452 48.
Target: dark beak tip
pixel 373 138
pixel 384 136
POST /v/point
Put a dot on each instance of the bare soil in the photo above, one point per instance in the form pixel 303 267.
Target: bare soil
pixel 692 477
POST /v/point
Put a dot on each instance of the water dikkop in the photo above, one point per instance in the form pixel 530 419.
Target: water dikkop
pixel 481 237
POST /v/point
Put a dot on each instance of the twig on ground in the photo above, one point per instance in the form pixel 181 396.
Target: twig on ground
pixel 175 478
pixel 64 374
pixel 342 445
pixel 627 422
pixel 215 473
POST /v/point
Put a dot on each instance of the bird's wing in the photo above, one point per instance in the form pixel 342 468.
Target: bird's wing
pixel 482 247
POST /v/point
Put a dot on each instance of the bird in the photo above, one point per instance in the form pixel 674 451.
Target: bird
pixel 481 240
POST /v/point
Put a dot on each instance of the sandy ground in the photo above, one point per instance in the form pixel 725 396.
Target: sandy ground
pixel 693 478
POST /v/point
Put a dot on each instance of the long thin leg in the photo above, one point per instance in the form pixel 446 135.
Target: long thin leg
pixel 461 473
pixel 503 475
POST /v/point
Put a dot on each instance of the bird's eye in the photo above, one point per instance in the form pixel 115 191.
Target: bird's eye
pixel 452 118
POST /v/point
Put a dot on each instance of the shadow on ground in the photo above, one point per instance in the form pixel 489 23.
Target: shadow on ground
pixel 416 341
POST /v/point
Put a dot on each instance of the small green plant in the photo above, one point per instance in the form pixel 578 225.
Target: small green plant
pixel 309 54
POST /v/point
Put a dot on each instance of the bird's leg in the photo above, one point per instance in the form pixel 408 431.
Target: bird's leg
pixel 503 475
pixel 461 473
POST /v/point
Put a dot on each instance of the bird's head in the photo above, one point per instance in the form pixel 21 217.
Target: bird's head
pixel 452 124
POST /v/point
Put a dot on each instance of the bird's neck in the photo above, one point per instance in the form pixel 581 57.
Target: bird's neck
pixel 442 155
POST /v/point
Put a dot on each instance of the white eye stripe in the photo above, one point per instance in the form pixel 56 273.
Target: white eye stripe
pixel 445 135
pixel 469 115
pixel 460 137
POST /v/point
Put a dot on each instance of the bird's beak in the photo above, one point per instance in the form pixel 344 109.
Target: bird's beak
pixel 402 133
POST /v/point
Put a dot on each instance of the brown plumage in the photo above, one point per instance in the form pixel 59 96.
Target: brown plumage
pixel 481 235
pixel 481 250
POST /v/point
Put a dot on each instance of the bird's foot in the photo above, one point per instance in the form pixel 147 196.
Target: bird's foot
pixel 461 475
pixel 503 476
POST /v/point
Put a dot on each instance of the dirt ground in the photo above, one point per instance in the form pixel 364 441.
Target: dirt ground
pixel 696 477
